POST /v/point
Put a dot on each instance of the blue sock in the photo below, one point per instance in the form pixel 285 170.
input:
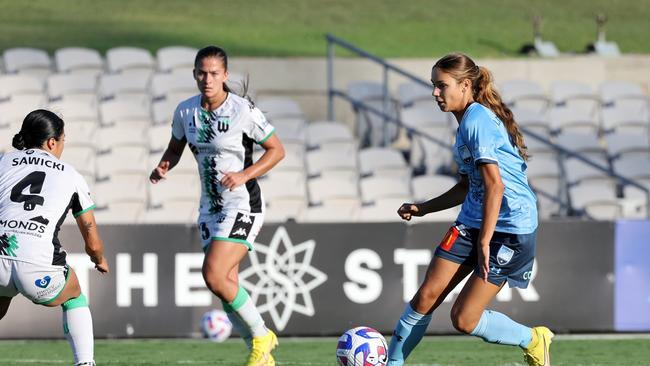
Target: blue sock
pixel 407 334
pixel 495 327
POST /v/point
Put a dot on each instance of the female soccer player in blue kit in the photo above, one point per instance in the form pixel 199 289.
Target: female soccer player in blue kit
pixel 494 235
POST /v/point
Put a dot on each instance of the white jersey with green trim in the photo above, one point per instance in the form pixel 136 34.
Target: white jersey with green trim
pixel 36 192
pixel 222 141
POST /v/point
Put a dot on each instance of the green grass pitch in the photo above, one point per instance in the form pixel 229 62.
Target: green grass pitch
pixel 433 351
pixel 416 28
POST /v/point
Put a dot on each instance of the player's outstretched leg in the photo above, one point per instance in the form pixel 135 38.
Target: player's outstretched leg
pixel 408 332
pixel 263 339
pixel 78 329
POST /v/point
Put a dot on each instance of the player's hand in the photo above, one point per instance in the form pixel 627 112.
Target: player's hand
pixel 407 210
pixel 232 180
pixel 484 260
pixel 160 172
pixel 102 265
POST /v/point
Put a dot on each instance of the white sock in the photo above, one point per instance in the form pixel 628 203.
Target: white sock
pixel 78 329
pixel 246 310
pixel 241 328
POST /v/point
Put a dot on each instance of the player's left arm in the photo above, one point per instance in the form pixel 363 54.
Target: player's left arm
pixel 492 197
pixel 273 153
pixel 94 245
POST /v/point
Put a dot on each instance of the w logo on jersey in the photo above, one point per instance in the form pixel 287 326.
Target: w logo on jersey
pixel 223 124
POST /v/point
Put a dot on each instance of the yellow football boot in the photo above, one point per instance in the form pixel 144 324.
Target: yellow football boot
pixel 261 351
pixel 537 352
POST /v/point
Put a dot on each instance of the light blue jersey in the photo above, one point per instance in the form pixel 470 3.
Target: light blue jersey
pixel 482 138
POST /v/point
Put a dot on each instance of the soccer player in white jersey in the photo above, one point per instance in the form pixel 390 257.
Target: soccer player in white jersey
pixel 494 235
pixel 220 128
pixel 36 192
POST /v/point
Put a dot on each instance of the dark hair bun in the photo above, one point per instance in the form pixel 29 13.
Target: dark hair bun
pixel 18 142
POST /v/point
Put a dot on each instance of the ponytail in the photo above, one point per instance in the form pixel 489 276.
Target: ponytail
pixel 486 94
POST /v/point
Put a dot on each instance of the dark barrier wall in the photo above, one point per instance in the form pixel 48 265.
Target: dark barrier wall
pixel 319 279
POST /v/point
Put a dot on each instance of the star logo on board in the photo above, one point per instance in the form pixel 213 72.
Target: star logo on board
pixel 281 278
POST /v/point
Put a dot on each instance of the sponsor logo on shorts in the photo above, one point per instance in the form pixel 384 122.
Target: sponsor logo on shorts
pixel 43 282
pixel 243 225
pixel 504 255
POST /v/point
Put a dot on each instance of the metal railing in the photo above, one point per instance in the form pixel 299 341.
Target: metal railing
pixel 332 92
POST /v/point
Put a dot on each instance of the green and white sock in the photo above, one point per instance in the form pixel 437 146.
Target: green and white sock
pixel 243 306
pixel 239 325
pixel 78 329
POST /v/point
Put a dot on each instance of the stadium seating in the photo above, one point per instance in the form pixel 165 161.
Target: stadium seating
pixel 118 111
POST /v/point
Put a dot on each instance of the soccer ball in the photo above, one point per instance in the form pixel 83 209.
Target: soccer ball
pixel 216 326
pixel 362 346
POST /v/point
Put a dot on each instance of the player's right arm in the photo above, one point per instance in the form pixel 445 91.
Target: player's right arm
pixel 94 244
pixel 170 158
pixel 452 198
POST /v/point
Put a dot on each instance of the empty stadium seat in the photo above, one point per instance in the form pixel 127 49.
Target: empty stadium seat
pixel 81 156
pixel 328 132
pixel 134 85
pixel 413 93
pixel 524 94
pixel 78 87
pixel 284 208
pixel 291 129
pixel 280 184
pixel 175 57
pixel 124 112
pixel 12 86
pixel 381 161
pixel 327 188
pixel 125 59
pixel 332 162
pixel 172 212
pixel 626 95
pixel 279 107
pixel 374 188
pixel 342 210
pixel 574 94
pixel 383 210
pixel 426 187
pixel 162 111
pixel 78 60
pixel 176 187
pixel 27 61
pixel 175 87
pixel 123 158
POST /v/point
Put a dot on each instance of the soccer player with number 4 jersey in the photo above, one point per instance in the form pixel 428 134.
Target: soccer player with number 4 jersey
pixel 494 235
pixel 220 129
pixel 36 192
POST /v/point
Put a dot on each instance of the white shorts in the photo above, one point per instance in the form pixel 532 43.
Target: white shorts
pixel 234 226
pixel 39 283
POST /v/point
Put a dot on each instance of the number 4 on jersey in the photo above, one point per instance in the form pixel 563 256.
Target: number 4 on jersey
pixel 34 181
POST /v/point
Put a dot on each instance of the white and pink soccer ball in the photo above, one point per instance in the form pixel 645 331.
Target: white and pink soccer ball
pixel 216 326
pixel 362 346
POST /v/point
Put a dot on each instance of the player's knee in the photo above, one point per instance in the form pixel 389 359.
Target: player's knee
pixel 75 302
pixel 216 282
pixel 462 321
pixel 428 295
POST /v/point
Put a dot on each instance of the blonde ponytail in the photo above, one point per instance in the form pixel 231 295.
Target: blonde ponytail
pixel 486 94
